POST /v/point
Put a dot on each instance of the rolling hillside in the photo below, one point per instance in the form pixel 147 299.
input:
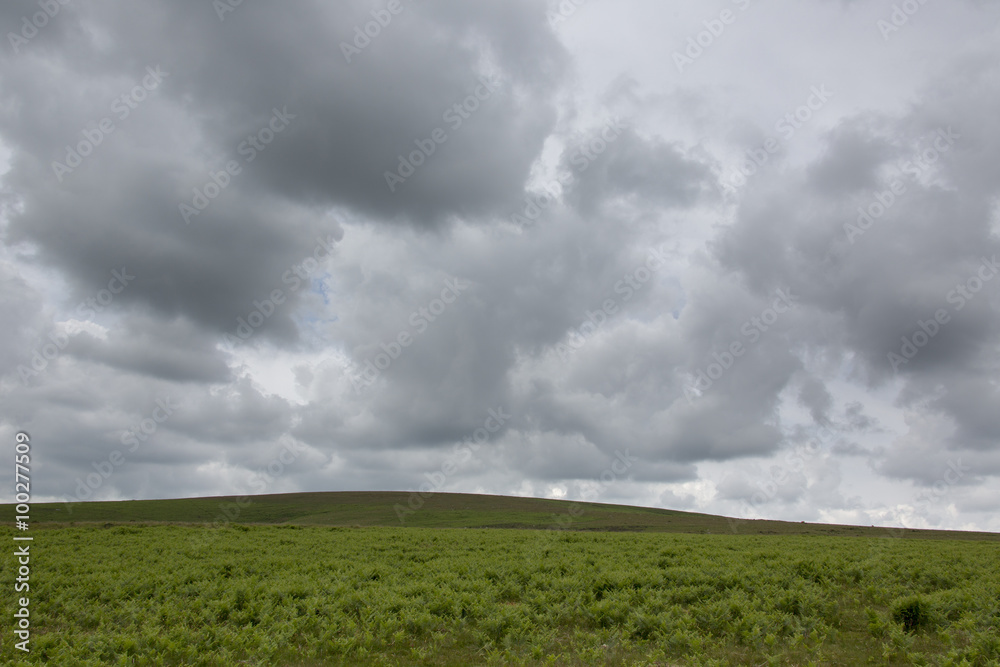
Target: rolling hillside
pixel 441 510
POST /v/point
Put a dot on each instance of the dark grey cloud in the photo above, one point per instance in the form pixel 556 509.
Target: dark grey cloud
pixel 350 123
pixel 614 162
pixel 851 162
pixel 168 350
pixel 921 255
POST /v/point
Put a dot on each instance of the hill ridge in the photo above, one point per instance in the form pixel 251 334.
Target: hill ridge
pixel 443 510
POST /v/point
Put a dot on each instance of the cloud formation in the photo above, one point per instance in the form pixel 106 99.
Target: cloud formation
pixel 768 275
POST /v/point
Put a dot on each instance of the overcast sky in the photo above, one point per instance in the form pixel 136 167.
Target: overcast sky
pixel 745 249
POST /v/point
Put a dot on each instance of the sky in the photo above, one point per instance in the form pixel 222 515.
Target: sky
pixel 735 257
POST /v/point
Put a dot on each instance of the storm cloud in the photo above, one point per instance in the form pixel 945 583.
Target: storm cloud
pixel 758 264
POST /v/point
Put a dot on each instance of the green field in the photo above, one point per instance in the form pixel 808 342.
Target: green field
pixel 115 591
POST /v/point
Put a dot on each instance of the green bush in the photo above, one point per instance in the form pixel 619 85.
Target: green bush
pixel 913 613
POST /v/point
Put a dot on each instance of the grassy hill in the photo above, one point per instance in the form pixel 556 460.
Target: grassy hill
pixel 442 510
